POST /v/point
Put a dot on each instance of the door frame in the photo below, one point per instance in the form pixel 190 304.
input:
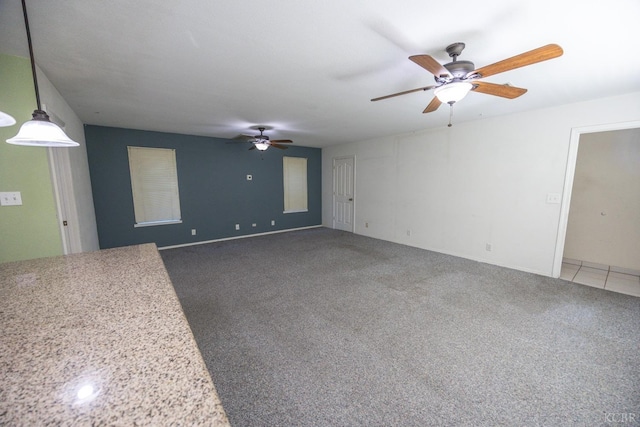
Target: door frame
pixel 333 173
pixel 574 142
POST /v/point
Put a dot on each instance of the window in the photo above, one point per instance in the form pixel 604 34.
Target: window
pixel 154 184
pixel 295 184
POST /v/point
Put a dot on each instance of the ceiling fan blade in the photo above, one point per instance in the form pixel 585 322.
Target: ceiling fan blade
pixel 282 141
pixel 253 147
pixel 498 90
pixel 540 54
pixel 433 105
pixel 431 65
pixel 241 139
pixel 281 147
pixel 403 93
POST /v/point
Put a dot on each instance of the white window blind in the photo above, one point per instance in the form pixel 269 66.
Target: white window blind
pixel 154 183
pixel 295 184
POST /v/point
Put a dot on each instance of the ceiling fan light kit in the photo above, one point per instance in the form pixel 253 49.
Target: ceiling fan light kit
pixel 452 92
pixel 262 146
pixel 457 78
pixel 39 131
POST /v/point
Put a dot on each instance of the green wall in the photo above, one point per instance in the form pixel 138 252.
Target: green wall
pixel 31 230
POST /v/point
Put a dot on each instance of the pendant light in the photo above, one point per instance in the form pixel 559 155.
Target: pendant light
pixel 39 131
pixel 6 120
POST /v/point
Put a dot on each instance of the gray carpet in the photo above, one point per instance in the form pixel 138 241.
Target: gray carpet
pixel 325 328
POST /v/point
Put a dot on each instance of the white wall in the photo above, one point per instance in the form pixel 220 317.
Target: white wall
pixel 604 217
pixel 80 212
pixel 479 182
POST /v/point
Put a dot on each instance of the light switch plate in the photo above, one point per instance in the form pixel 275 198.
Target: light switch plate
pixel 11 198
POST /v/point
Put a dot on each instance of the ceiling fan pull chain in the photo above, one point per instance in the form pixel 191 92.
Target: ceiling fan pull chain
pixel 450 113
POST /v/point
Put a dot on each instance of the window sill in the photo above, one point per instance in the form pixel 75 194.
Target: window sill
pixel 298 211
pixel 153 223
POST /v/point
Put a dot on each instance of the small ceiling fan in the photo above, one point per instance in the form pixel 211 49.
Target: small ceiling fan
pixel 456 78
pixel 262 141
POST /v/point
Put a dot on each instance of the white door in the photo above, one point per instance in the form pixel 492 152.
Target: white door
pixel 343 188
pixel 59 167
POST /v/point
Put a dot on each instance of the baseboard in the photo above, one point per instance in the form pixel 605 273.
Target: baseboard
pixel 244 236
pixel 466 256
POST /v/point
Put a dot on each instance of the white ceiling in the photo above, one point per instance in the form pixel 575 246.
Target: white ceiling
pixel 310 68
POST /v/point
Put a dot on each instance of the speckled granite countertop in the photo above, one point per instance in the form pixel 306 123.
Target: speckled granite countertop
pixel 99 339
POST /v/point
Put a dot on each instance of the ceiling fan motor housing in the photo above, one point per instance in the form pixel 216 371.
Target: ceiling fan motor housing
pixel 261 138
pixel 460 69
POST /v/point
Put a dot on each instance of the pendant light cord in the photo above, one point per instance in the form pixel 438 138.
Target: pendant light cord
pixel 33 62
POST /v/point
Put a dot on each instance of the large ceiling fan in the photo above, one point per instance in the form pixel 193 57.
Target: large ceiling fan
pixel 262 141
pixel 456 78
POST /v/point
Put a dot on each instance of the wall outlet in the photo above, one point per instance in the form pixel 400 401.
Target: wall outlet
pixel 13 198
pixel 237 226
pixel 366 225
pixel 253 225
pixel 193 231
pixel 273 222
pixel 488 247
pixel 554 198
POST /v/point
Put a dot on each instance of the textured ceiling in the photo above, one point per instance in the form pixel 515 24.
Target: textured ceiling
pixel 309 68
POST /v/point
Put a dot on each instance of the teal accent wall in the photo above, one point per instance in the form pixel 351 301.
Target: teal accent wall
pixel 214 191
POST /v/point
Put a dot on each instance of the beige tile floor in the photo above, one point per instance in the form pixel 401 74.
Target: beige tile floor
pixel 601 276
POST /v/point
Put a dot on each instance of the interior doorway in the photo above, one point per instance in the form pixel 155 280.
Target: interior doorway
pixel 344 193
pixel 591 181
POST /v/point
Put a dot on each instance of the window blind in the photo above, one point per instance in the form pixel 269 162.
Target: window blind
pixel 295 184
pixel 154 184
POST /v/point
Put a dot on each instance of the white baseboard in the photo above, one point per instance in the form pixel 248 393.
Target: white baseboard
pixel 244 236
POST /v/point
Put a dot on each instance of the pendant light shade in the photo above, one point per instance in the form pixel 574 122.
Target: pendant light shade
pixel 39 131
pixel 6 120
